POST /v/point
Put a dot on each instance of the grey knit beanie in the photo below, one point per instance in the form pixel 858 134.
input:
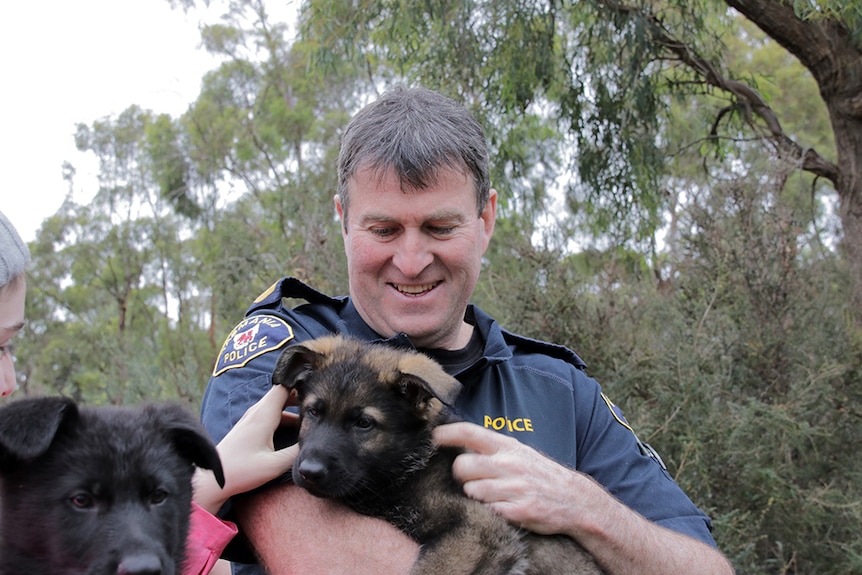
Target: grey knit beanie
pixel 14 255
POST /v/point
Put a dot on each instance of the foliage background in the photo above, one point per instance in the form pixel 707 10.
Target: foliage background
pixel 700 270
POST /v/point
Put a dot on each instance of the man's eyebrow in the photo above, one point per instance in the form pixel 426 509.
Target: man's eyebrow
pixel 369 218
pixel 443 215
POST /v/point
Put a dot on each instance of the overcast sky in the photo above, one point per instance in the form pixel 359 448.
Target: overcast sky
pixel 71 61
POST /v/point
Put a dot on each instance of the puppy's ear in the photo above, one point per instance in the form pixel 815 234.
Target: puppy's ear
pixel 28 426
pixel 416 391
pixel 428 398
pixel 431 376
pixel 188 437
pixel 294 364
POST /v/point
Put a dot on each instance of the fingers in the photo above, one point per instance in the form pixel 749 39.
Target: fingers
pixel 289 418
pixel 471 437
pixel 268 406
pixel 487 455
pixel 275 398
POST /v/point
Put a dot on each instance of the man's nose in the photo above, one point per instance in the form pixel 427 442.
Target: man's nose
pixel 412 254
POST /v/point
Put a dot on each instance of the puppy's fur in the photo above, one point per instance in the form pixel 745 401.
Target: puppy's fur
pixel 367 412
pixel 97 491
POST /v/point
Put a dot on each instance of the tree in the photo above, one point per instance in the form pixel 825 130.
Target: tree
pixel 118 306
pixel 608 73
pixel 827 39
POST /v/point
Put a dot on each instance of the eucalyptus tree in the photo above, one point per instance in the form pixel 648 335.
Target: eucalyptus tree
pixel 585 92
pixel 264 133
pixel 118 317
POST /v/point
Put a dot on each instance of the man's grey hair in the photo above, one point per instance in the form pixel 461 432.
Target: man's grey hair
pixel 416 132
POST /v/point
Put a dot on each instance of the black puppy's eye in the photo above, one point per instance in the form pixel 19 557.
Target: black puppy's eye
pixel 82 500
pixel 312 412
pixel 158 496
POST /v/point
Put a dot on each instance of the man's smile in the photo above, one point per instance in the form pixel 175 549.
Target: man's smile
pixel 415 289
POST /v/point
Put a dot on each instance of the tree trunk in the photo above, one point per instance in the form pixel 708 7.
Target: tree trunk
pixel 827 49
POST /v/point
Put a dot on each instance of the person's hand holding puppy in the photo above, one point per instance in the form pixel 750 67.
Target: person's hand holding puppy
pixel 247 453
pixel 534 492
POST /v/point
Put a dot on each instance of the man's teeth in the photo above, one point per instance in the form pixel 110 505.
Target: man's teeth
pixel 414 290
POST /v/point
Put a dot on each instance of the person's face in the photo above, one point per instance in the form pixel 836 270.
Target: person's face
pixel 414 256
pixel 11 322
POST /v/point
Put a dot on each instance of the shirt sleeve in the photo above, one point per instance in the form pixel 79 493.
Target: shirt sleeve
pixel 633 472
pixel 208 536
pixel 243 371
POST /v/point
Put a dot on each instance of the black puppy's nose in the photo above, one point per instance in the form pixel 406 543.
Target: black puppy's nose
pixel 144 564
pixel 312 470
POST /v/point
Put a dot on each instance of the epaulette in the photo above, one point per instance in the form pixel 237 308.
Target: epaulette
pixel 289 287
pixel 546 348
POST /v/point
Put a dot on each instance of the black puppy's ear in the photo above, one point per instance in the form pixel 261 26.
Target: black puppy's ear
pixel 28 426
pixel 188 437
pixel 294 363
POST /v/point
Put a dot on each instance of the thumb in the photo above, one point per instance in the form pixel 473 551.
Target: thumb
pixel 283 458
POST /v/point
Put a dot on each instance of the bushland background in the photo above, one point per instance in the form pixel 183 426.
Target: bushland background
pixel 681 203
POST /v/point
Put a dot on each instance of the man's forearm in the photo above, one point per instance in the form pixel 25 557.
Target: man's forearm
pixel 295 533
pixel 624 542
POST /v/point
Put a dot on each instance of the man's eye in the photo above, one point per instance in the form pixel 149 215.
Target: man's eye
pixel 442 230
pixel 383 232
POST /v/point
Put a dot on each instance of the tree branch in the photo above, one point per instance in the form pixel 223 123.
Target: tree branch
pixel 748 100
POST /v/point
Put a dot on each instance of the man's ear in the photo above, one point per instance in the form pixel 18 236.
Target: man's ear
pixel 489 218
pixel 342 215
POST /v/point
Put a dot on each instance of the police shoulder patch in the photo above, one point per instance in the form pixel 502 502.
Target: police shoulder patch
pixel 252 337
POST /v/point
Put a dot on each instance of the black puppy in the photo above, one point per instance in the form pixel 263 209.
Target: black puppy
pixel 97 491
pixel 366 417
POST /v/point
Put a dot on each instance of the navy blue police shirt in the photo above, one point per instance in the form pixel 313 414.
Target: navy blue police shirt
pixel 536 392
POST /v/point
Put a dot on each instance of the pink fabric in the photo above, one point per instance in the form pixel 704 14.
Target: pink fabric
pixel 208 536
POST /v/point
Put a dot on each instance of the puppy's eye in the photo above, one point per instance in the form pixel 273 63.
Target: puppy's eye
pixel 82 500
pixel 312 412
pixel 365 423
pixel 158 496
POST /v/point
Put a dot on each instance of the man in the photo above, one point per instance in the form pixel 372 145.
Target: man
pixel 417 213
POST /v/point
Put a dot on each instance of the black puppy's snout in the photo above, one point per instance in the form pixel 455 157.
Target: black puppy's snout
pixel 143 564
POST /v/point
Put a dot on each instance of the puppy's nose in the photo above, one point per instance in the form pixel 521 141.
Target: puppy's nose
pixel 143 564
pixel 312 470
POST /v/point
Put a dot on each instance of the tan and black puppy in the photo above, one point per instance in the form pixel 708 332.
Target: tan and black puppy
pixel 367 412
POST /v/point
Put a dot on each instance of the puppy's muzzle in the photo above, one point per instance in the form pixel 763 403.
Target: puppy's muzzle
pixel 312 472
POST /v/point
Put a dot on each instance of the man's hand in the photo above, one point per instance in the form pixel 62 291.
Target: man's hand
pixel 532 491
pixel 527 488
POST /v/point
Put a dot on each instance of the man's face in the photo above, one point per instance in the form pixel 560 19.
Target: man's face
pixel 414 256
